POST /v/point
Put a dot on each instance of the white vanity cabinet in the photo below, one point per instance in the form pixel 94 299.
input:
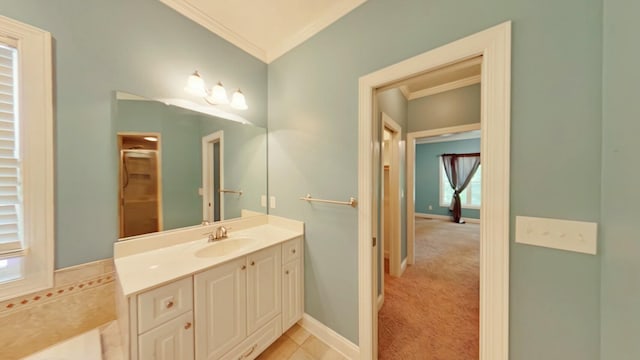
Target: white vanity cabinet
pixel 292 282
pixel 234 301
pixel 231 310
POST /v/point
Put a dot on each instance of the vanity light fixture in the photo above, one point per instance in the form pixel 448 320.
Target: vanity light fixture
pixel 151 138
pixel 217 95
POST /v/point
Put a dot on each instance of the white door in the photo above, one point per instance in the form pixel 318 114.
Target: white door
pixel 220 302
pixel 170 341
pixel 292 293
pixel 263 287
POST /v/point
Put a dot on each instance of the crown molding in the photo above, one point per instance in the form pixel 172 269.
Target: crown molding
pixel 405 91
pixel 196 15
pixel 445 87
pixel 266 55
pixel 328 17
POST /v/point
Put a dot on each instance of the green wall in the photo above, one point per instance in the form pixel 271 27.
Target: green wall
pixel 128 45
pixel 427 175
pixel 555 134
pixel 450 108
pixel 560 118
pixel 619 239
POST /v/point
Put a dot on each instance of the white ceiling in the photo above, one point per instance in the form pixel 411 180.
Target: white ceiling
pixel 265 29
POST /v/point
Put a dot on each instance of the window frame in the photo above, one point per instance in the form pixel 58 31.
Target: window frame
pixel 35 108
pixel 444 182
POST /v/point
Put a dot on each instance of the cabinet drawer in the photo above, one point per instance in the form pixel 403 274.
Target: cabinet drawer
pixel 171 341
pixel 291 250
pixel 257 342
pixel 163 304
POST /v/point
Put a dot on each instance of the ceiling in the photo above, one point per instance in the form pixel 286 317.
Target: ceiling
pixel 460 74
pixel 265 29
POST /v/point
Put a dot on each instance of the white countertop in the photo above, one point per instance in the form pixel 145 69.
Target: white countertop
pixel 145 270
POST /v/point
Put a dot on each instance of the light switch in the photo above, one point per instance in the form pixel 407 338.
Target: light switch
pixel 263 201
pixel 567 235
pixel 200 191
pixel 272 202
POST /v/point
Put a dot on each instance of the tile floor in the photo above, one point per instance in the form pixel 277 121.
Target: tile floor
pixel 298 344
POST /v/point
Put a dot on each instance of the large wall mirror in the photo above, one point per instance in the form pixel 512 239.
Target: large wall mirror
pixel 179 167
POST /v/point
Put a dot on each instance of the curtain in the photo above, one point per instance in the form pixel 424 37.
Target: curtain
pixel 459 168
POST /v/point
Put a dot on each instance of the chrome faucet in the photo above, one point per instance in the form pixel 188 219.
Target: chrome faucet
pixel 218 234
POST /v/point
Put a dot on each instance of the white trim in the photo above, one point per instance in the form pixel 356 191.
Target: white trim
pixel 494 44
pixel 471 80
pixel 340 9
pixel 453 137
pixel 208 194
pixel 445 218
pixel 266 55
pixel 395 246
pixel 198 16
pixel 411 167
pixel 404 89
pixel 380 301
pixel 330 337
pixel 403 266
pixel 36 109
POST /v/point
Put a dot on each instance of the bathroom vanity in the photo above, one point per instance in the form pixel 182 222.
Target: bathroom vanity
pixel 181 296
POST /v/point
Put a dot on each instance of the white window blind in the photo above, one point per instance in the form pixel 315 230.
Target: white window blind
pixel 11 239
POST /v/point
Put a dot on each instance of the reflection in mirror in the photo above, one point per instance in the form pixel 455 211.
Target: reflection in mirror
pixel 179 167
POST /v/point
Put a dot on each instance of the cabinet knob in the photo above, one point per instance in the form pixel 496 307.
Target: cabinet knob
pixel 293 251
pixel 253 263
pixel 286 272
pixel 170 304
pixel 243 267
pixel 187 326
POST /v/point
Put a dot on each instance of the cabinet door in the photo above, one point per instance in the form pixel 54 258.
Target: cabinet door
pixel 263 287
pixel 220 305
pixel 170 341
pixel 292 294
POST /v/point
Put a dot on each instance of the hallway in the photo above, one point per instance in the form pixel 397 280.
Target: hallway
pixel 432 311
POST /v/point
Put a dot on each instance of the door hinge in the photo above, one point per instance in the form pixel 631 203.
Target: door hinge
pixel 374 242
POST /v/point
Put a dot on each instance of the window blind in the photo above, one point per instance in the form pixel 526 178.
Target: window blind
pixel 11 239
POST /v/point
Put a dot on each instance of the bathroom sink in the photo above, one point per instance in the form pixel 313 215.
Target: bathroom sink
pixel 224 247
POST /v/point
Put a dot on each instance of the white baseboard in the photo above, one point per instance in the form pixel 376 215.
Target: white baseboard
pixel 330 337
pixel 380 301
pixel 403 266
pixel 445 217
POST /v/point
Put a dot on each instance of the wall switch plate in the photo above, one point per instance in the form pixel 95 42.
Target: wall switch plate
pixel 263 201
pixel 567 235
pixel 200 191
pixel 272 202
pixel 430 207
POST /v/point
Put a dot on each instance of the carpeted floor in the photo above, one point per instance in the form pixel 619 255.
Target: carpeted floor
pixel 432 311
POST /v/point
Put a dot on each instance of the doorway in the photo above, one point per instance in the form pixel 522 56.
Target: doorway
pixel 140 184
pixel 213 177
pixel 388 259
pixel 433 309
pixel 494 46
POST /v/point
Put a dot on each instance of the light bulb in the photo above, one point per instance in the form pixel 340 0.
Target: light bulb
pixel 238 101
pixel 195 85
pixel 218 94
